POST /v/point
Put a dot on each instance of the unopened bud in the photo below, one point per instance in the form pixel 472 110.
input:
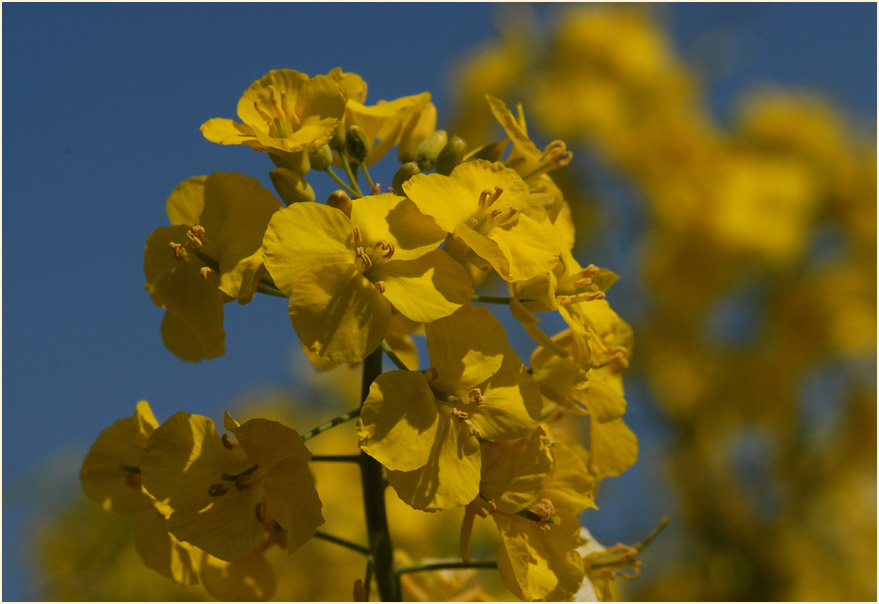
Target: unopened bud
pixel 420 126
pixel 451 155
pixel 357 143
pixel 337 143
pixel 339 199
pixel 290 186
pixel 429 149
pixel 320 157
pixel 406 171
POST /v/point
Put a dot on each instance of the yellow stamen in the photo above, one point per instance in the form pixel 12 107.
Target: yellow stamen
pixel 476 396
pixel 483 198
pixel 242 483
pixel 205 272
pixel 357 236
pixel 545 509
pixel 226 442
pixel 380 286
pixel 260 511
pixel 262 112
pixel 179 250
pixel 361 253
pixel 472 223
pixel 386 245
pixel 432 374
pixel 195 235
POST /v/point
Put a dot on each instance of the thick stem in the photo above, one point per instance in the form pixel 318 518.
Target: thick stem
pixel 373 480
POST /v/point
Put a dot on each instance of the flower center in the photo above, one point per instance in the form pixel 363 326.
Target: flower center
pixel 281 120
pixel 485 219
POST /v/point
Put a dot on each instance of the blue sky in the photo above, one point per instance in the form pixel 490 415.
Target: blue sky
pixel 102 108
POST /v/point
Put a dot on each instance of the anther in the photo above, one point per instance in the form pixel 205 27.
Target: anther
pixel 205 271
pixel 262 112
pixel 179 250
pixel 380 286
pixel 545 509
pixel 386 245
pixel 242 483
pixel 589 271
pixel 557 154
pixel 563 300
pixel 217 490
pixel 133 480
pixel 260 512
pixel 582 282
pixel 357 235
pixel 494 214
pixel 376 189
pixel 599 295
pixel 476 396
pixel 483 198
pixel 495 195
pixel 460 415
pixel 363 256
pixel 472 223
pixel 432 374
pixel 226 442
pixel 195 235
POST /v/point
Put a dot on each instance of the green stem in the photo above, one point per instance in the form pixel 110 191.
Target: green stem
pixel 373 481
pixel 331 424
pixel 417 568
pixel 339 541
pixel 270 290
pixel 615 559
pixel 370 567
pixel 351 178
pixel 653 534
pixel 337 458
pixel 368 177
pixel 341 182
pixel 393 356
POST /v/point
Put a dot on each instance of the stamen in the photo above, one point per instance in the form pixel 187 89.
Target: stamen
pixel 363 256
pixel 357 236
pixel 432 374
pixel 284 110
pixel 217 490
pixel 589 271
pixel 376 189
pixel 274 104
pixel 582 282
pixel 494 214
pixel 460 415
pixel 133 480
pixel 545 509
pixel 262 112
pixel 483 198
pixel 476 396
pixel 205 271
pixel 260 512
pixel 380 286
pixel 386 245
pixel 242 483
pixel 495 195
pixel 563 300
pixel 179 250
pixel 472 223
pixel 226 442
pixel 557 154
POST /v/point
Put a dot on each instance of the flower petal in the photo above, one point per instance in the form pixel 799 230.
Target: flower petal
pixel 398 420
pixel 613 448
pixel 338 313
pixel 267 442
pixel 186 201
pixel 514 472
pixel 163 552
pixel 427 288
pixel 293 501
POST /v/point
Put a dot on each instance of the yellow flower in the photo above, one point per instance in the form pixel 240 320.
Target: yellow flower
pixel 110 473
pixel 284 112
pixel 225 495
pixel 534 490
pixel 210 256
pixel 343 274
pixel 482 204
pixel 423 427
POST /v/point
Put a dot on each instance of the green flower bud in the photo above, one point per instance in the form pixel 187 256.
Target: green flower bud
pixel 491 151
pixel 406 171
pixel 420 126
pixel 357 143
pixel 337 143
pixel 425 154
pixel 320 157
pixel 339 199
pixel 290 186
pixel 451 155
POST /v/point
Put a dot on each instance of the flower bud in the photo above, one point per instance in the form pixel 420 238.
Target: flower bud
pixel 419 127
pixel 320 157
pixel 290 186
pixel 451 155
pixel 337 143
pixel 339 199
pixel 357 143
pixel 425 154
pixel 406 171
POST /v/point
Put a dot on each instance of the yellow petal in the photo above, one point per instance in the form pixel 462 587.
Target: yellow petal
pixel 293 501
pixel 529 247
pixel 512 404
pixel 236 213
pixel 338 313
pixel 451 476
pixel 184 343
pixel 109 473
pixel 570 488
pixel 163 552
pixel 613 448
pixel 466 348
pixel 303 236
pixel 398 420
pixel 224 131
pixel 442 198
pixel 228 529
pixel 288 81
pixel 183 458
pixel 248 579
pixel 396 220
pixel 487 249
pixel 186 201
pixel 267 442
pixel 514 472
pixel 427 288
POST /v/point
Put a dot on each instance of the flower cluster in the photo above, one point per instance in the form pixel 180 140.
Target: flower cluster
pixel 473 429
